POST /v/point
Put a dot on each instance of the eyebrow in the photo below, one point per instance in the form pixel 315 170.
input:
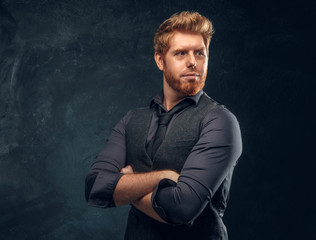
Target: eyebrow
pixel 201 49
pixel 185 50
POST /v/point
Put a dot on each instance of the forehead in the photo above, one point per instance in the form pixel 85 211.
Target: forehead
pixel 186 40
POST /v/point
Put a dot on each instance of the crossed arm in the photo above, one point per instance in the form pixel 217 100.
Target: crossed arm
pixel 137 188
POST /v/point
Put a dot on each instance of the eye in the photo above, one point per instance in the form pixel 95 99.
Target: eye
pixel 200 53
pixel 180 53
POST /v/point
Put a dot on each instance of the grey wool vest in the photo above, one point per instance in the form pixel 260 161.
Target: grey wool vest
pixel 177 144
pixel 171 154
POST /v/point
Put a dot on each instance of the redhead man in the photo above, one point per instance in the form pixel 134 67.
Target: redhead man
pixel 172 161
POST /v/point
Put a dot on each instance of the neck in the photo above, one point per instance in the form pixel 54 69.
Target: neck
pixel 171 97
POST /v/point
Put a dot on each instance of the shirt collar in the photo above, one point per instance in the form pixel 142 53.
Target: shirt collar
pixel 158 99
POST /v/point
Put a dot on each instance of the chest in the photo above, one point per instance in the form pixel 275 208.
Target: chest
pixel 174 150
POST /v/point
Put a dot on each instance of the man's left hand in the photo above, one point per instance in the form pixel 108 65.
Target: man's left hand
pixel 127 170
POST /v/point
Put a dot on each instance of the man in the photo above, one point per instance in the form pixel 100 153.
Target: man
pixel 173 162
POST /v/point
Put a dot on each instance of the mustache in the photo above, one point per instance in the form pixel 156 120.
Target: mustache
pixel 193 73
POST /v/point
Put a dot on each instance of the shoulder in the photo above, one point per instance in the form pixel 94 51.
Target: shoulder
pixel 138 116
pixel 133 112
pixel 221 127
pixel 220 113
pixel 140 110
pixel 219 116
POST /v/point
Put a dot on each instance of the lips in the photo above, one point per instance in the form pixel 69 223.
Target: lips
pixel 190 75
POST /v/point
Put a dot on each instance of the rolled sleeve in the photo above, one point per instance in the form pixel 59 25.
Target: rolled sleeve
pixel 105 173
pixel 178 203
pixel 164 183
pixel 211 160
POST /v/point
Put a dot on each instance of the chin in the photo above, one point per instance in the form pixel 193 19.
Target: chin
pixel 190 89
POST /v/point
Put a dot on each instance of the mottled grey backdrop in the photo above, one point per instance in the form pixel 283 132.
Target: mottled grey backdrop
pixel 70 69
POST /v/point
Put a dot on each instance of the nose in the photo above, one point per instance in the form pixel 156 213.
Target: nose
pixel 191 61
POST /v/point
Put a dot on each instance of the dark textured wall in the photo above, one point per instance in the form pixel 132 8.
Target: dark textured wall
pixel 70 69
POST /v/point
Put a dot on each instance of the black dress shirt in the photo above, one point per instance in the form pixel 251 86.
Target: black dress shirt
pixel 212 159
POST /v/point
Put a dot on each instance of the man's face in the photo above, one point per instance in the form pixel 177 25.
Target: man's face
pixel 185 64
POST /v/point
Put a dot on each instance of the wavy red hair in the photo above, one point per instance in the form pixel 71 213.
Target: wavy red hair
pixel 183 22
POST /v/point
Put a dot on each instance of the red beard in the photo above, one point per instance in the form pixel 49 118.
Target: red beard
pixel 188 88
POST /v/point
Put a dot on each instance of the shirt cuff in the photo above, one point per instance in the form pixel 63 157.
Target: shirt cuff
pixel 164 183
pixel 102 192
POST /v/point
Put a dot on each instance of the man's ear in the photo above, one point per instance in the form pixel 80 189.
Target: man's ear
pixel 159 61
